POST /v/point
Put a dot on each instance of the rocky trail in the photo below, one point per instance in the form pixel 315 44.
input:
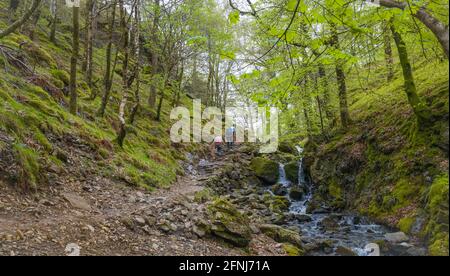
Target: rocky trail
pixel 90 215
pixel 219 207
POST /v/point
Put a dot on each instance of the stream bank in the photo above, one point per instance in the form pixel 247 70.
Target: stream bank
pixel 285 210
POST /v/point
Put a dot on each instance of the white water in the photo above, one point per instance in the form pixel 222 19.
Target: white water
pixel 348 234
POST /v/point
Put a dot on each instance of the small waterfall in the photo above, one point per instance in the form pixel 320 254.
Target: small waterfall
pixel 299 207
pixel 283 179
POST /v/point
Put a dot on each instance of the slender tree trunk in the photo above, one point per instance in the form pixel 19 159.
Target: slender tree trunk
pixel 340 76
pixel 306 107
pixel 90 33
pixel 388 54
pixel 155 56
pixel 420 109
pixel 137 53
pixel 34 22
pixel 14 26
pixel 323 86
pixel 54 13
pixel 125 87
pixel 161 98
pixel 107 78
pixel 73 60
pixel 13 5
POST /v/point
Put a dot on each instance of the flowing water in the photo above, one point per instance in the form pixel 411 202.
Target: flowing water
pixel 347 231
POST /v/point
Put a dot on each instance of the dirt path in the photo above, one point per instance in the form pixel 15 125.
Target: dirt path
pixel 98 216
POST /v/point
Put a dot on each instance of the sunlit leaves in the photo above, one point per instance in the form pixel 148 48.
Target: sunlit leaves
pixel 234 17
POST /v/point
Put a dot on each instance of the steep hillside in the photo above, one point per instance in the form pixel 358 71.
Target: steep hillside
pixel 39 137
pixel 384 166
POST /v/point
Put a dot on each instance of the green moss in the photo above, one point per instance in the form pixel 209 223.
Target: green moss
pixel 42 140
pixel 292 171
pixel 203 195
pixel 39 54
pixel 440 246
pixel 29 169
pixel 405 224
pixel 292 250
pixel 335 190
pixel 266 169
pixel 61 75
pixel 438 193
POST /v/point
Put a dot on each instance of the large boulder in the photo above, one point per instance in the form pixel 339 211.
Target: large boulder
pixel 281 234
pixel 267 170
pixel 276 204
pixel 296 193
pixel 292 171
pixel 228 223
pixel 397 237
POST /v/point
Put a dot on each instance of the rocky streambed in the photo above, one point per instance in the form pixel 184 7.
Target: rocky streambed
pixel 276 200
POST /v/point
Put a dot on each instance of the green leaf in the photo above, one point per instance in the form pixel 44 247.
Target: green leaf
pixel 234 17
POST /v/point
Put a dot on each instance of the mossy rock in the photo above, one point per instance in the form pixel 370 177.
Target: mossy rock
pixel 266 169
pixel 277 204
pixel 292 171
pixel 296 193
pixel 228 223
pixel 281 234
pixel 405 224
pixel 61 75
pixel 292 250
pixel 203 196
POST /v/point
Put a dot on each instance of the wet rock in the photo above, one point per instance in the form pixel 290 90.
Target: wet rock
pixel 292 171
pixel 397 237
pixel 372 249
pixel 329 223
pixel 303 218
pixel 279 190
pixel 281 234
pixel 344 251
pixel 416 251
pixel 266 170
pixel 228 223
pixel 296 193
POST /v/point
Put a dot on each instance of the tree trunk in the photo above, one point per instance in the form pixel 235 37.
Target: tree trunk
pixel 420 109
pixel 155 56
pixel 89 45
pixel 34 22
pixel 54 14
pixel 73 60
pixel 137 54
pixel 107 77
pixel 388 55
pixel 13 5
pixel 439 29
pixel 323 86
pixel 340 76
pixel 125 87
pixel 14 26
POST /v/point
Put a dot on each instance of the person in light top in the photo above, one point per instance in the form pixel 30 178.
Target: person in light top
pixel 216 146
